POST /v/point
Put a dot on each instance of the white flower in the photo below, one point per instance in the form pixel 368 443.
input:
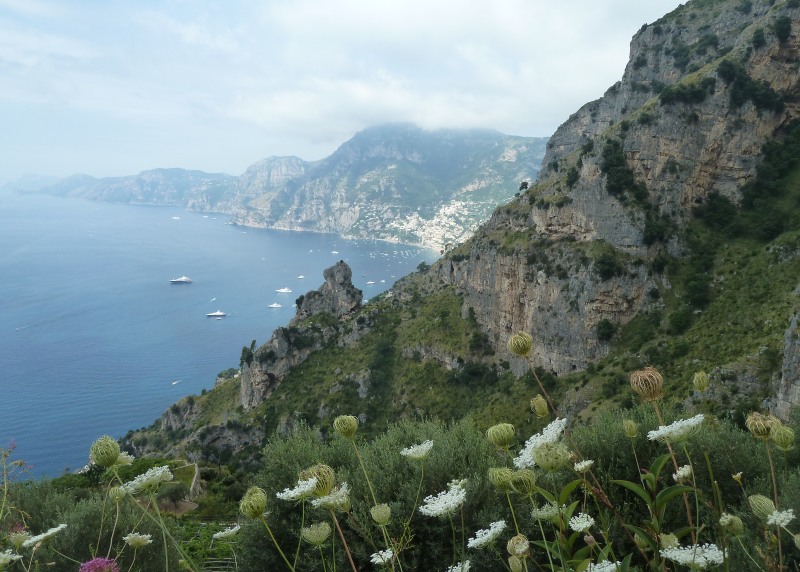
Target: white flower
pixel 460 567
pixel 7 558
pixel 148 480
pixel 302 490
pixel 39 537
pixel 695 557
pixel 781 518
pixel 382 557
pixel 584 466
pixel 581 523
pixel 418 452
pixel 547 511
pixel 227 533
pixel 136 540
pixel 446 502
pixel 487 535
pixel 124 460
pixel 550 434
pixel 684 473
pixel 338 499
pixel 604 567
pixel 677 430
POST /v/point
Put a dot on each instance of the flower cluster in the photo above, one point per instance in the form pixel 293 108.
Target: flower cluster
pixel 684 473
pixel 695 557
pixel 33 540
pixel 581 523
pixel 487 535
pixel 338 499
pixel 583 466
pixel 147 481
pixel 678 430
pixel 227 533
pixel 550 434
pixel 382 557
pixel 418 452
pixel 606 566
pixel 460 567
pixel 7 558
pixel 136 540
pixel 781 518
pixel 304 489
pixel 446 502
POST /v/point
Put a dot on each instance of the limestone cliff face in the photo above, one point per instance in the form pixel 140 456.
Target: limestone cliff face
pixel 685 128
pixel 289 346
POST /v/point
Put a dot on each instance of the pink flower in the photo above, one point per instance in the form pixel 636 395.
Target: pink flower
pixel 100 565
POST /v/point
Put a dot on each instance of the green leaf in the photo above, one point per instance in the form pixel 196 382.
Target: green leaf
pixel 638 489
pixel 645 535
pixel 658 464
pixel 567 490
pixel 669 493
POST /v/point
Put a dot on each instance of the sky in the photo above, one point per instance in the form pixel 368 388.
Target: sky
pixel 115 87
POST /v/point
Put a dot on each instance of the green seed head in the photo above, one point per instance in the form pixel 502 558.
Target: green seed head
pixel 515 564
pixel 519 546
pixel 524 481
pixel 761 506
pixel 630 428
pixel 316 534
pixel 667 540
pixel 700 381
pixel 520 344
pixel 761 425
pixel 552 456
pixel 253 503
pixel 500 478
pixel 539 406
pixel 381 513
pixel 104 452
pixel 648 384
pixel 324 475
pixel 501 435
pixel 731 524
pixel 346 426
pixel 783 437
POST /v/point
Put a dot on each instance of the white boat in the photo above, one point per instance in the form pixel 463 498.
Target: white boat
pixel 274 305
pixel 285 290
pixel 300 277
pixel 181 280
pixel 217 314
pixel 370 282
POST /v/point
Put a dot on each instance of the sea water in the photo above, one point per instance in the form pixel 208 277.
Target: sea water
pixel 95 340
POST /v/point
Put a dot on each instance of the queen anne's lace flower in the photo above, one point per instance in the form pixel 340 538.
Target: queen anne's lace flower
pixel 446 502
pixel 338 499
pixel 780 518
pixel 527 456
pixel 227 533
pixel 684 473
pixel 604 567
pixel 547 511
pixel 677 430
pixel 7 558
pixel 302 490
pixel 460 567
pixel 148 480
pixel 382 557
pixel 418 452
pixel 584 466
pixel 487 535
pixel 581 523
pixel 137 540
pixel 33 540
pixel 697 557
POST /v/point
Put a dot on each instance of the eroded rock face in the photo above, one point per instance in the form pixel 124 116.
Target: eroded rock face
pixel 291 345
pixel 788 390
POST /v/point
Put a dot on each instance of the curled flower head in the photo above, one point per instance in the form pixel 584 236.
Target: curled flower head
pixel 500 478
pixel 124 460
pixel 17 538
pixel 550 512
pixel 731 524
pixel 501 435
pixel 761 506
pixel 324 475
pixel 527 457
pixel 783 437
pixel 539 406
pixel 316 534
pixel 116 494
pixel 552 456
pixel 677 431
pixel 519 546
pixel 136 540
pixel 523 481
pixel 486 536
pixel 761 425
pixel 381 514
pixel 418 452
pixel 700 381
pixel 520 344
pixel 648 384
pixel 581 523
pixel 104 452
pixel 631 428
pixel 515 564
pixel 346 426
pixel 226 533
pixel 253 503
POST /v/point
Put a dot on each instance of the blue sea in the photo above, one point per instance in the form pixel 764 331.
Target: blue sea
pixel 95 340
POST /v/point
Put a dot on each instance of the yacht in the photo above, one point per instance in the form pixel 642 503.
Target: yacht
pixel 181 280
pixel 300 277
pixel 217 314
pixel 370 282
pixel 284 290
pixel 274 305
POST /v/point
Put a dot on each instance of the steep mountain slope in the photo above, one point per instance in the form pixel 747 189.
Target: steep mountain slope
pixel 393 182
pixel 664 229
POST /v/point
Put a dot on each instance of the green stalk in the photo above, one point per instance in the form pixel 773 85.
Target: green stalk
pixel 275 542
pixel 364 470
pixel 344 542
pixel 777 506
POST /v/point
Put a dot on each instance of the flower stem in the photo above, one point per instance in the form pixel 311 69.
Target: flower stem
pixel 275 542
pixel 344 542
pixel 775 498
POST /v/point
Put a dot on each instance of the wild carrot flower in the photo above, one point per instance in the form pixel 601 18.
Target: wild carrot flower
pixel 446 502
pixel 783 437
pixel 338 499
pixel 7 558
pixel 697 557
pixel 780 518
pixel 226 533
pixel 382 556
pixel 381 514
pixel 104 452
pixel 606 566
pixel 100 565
pixel 501 435
pixel 147 481
pixel 520 344
pixel 346 426
pixel 33 540
pixel 527 456
pixel 678 430
pixel 731 524
pixel 581 523
pixel 303 489
pixel 418 452
pixel 18 537
pixel 253 503
pixel 583 466
pixel 460 567
pixel 684 473
pixel 648 384
pixel 518 546
pixel 548 511
pixel 137 540
pixel 316 534
pixel 487 535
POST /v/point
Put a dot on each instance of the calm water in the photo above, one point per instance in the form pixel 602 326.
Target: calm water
pixel 93 338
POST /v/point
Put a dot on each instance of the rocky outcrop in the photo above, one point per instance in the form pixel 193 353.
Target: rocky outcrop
pixel 787 396
pixel 289 346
